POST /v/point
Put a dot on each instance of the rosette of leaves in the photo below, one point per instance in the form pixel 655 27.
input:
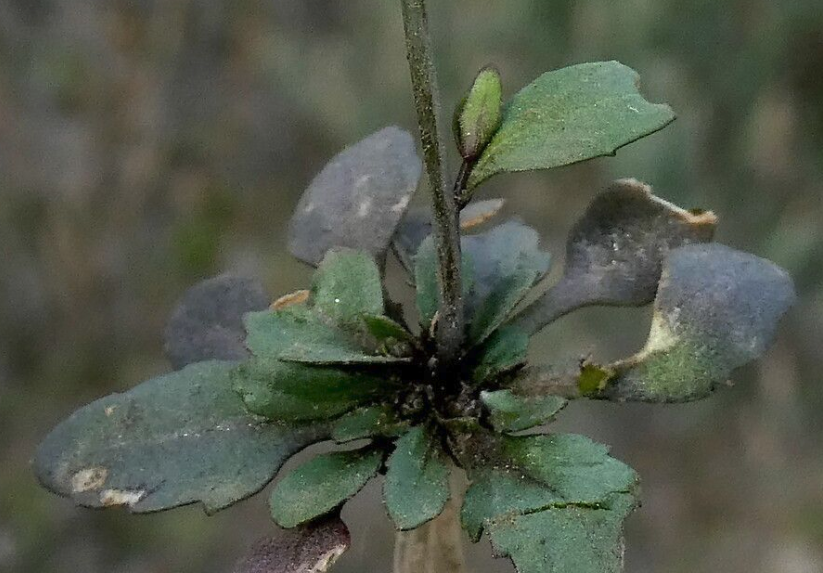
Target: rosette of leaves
pixel 257 381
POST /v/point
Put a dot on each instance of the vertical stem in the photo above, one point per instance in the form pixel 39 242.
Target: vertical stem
pixel 437 546
pixel 446 214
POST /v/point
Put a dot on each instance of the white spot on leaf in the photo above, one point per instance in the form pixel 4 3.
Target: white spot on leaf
pixel 115 497
pixel 89 479
pixel 327 560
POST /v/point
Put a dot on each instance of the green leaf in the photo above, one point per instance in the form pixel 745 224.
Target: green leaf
pixel 504 351
pixel 717 309
pixel 499 267
pixel 358 199
pixel 368 422
pixel 322 484
pixel 514 476
pixel 428 292
pixel 296 392
pixel 416 226
pixel 512 413
pixel 570 115
pixel 346 286
pixel 615 252
pixel 387 330
pixel 479 114
pixel 314 547
pixel 572 539
pixel 417 480
pixel 507 263
pixel 297 334
pixel 207 323
pixel 174 440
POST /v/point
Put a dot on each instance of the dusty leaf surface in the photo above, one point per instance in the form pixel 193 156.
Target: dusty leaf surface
pixel 717 309
pixel 358 199
pixel 417 480
pixel 322 484
pixel 313 548
pixel 177 439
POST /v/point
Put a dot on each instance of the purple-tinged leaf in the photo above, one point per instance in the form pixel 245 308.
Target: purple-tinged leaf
pixel 615 252
pixel 358 199
pixel 312 548
pixel 717 310
pixel 416 226
pixel 507 262
pixel 207 323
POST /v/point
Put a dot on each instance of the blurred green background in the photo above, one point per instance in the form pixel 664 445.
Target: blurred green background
pixel 147 144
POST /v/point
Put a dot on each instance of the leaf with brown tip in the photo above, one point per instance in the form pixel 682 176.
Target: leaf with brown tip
pixel 615 252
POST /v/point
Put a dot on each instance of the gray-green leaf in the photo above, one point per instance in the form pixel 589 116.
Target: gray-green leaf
pixel 174 440
pixel 507 263
pixel 417 225
pixel 417 480
pixel 499 267
pixel 514 476
pixel 570 115
pixel 425 272
pixel 717 309
pixel 368 422
pixel 358 199
pixel 284 391
pixel 511 413
pixel 615 252
pixel 322 484
pixel 297 334
pixel 504 351
pixel 207 323
pixel 571 539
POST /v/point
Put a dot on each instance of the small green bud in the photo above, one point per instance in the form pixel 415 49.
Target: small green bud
pixel 478 116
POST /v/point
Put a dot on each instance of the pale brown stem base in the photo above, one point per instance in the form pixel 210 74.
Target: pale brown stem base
pixel 436 547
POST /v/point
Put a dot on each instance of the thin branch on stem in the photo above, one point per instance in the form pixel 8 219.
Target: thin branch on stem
pixel 446 213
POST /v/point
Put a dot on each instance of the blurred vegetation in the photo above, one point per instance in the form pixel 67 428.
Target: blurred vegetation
pixel 145 144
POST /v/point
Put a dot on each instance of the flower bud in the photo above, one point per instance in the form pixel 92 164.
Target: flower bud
pixel 478 116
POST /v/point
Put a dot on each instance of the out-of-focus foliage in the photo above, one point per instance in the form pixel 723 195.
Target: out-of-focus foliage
pixel 149 144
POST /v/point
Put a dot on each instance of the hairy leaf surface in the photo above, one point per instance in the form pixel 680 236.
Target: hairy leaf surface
pixel 417 481
pixel 504 351
pixel 512 413
pixel 520 475
pixel 322 484
pixel 292 392
pixel 368 422
pixel 571 539
pixel 346 286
